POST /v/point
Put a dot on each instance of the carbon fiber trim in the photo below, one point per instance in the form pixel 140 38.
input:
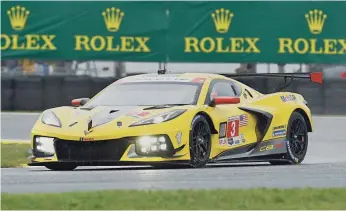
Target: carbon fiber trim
pixel 265 120
pixel 263 150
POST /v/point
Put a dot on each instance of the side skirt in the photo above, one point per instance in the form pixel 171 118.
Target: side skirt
pixel 258 152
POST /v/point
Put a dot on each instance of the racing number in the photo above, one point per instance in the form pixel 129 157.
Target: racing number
pixel 233 128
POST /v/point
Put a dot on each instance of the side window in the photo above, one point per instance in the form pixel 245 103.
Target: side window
pixel 237 88
pixel 220 89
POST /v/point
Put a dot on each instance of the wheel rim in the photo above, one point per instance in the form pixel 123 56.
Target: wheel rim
pixel 297 137
pixel 200 142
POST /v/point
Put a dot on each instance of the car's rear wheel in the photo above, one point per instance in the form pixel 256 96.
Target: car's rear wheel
pixel 200 142
pixel 60 167
pixel 296 140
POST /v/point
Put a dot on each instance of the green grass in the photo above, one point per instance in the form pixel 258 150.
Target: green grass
pixel 326 199
pixel 14 154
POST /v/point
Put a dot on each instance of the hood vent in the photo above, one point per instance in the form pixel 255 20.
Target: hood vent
pixel 113 111
pixel 73 124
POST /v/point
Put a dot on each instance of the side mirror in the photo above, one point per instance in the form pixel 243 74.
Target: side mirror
pixel 224 100
pixel 80 101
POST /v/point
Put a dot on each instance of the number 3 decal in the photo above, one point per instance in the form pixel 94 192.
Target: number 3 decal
pixel 232 128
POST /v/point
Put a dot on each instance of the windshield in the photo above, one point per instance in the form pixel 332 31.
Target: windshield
pixel 147 94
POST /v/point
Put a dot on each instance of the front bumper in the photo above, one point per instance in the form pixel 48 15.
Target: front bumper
pixel 122 151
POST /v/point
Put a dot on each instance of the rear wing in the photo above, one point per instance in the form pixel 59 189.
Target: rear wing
pixel 315 77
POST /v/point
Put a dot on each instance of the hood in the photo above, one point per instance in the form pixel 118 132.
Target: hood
pixel 80 122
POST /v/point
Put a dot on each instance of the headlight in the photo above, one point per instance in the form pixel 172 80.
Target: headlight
pixel 49 118
pixel 160 118
pixel 154 146
pixel 45 145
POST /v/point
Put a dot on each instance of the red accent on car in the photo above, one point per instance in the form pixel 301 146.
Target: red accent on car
pixel 198 80
pixel 226 100
pixel 76 102
pixel 317 77
pixel 143 113
pixel 279 146
pixel 343 75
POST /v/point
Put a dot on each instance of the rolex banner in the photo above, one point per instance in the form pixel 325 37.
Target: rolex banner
pixel 182 31
pixel 123 31
pixel 285 32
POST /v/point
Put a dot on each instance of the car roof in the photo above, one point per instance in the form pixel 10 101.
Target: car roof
pixel 186 77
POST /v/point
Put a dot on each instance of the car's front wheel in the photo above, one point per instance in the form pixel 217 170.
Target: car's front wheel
pixel 200 142
pixel 296 140
pixel 60 167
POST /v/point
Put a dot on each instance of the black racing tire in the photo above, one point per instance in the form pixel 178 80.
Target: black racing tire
pixel 296 141
pixel 200 142
pixel 61 167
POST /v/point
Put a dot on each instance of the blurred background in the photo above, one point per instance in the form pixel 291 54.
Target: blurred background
pixel 33 85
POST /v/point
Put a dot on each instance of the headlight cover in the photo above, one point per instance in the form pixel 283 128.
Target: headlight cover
pixel 160 118
pixel 49 118
pixel 45 145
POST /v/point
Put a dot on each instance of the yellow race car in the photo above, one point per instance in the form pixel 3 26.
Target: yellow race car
pixel 184 119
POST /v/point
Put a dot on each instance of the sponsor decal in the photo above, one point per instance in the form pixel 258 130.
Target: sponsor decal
pixel 315 20
pixel 222 19
pixel 235 141
pixel 233 136
pixel 271 146
pixel 113 18
pixel 234 123
pixel 279 127
pixel 277 133
pixel 279 130
pixel 223 141
pixel 86 139
pixel 19 17
pixel 232 141
pixel 287 98
pixel 242 138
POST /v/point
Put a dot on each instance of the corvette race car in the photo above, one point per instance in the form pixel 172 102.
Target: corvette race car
pixel 184 119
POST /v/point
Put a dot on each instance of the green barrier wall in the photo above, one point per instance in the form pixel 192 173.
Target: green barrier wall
pixel 84 30
pixel 280 32
pixel 288 32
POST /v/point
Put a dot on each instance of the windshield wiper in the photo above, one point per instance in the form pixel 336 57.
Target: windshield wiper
pixel 164 106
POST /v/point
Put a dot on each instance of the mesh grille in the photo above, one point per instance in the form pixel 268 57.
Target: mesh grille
pixel 91 150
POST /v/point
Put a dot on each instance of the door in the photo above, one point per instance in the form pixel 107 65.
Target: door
pixel 236 127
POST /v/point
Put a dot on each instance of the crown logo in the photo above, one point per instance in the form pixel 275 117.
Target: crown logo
pixel 315 19
pixel 222 19
pixel 18 16
pixel 113 17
